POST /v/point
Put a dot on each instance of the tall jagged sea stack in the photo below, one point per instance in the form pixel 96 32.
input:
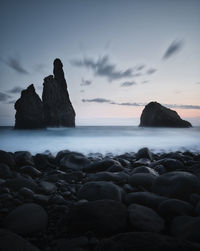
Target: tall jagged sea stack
pixel 55 108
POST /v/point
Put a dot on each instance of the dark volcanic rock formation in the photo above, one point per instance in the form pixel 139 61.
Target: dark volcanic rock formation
pixel 29 110
pixel 156 115
pixel 58 109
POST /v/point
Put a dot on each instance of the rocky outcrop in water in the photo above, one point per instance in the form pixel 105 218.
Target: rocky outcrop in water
pixel 156 115
pixel 29 110
pixel 58 109
pixel 54 110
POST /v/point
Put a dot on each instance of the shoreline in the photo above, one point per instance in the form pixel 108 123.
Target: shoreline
pixel 132 201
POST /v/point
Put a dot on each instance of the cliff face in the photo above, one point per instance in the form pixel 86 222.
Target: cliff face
pixel 58 109
pixel 156 115
pixel 29 110
pixel 55 110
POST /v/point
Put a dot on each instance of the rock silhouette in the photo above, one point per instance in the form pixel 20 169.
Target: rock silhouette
pixel 55 108
pixel 156 115
pixel 29 110
pixel 58 109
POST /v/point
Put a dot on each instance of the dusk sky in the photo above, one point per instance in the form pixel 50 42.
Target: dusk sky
pixel 118 55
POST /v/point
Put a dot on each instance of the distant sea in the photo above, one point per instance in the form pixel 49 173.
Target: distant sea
pixel 102 139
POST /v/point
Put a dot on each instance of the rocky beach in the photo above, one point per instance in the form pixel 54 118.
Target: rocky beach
pixel 70 201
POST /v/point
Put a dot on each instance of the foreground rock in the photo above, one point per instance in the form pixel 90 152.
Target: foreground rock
pixel 145 241
pixel 29 110
pixel 103 217
pixel 156 115
pixel 10 241
pixel 58 109
pixel 26 219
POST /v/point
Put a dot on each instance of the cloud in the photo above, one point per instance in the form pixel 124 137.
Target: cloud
pixel 97 100
pixel 82 91
pixel 140 67
pixel 103 68
pixel 85 82
pixel 198 83
pixel 16 89
pixel 127 84
pixel 145 82
pixel 4 97
pixel 135 104
pixel 16 65
pixel 174 47
pixel 151 71
pixel 11 102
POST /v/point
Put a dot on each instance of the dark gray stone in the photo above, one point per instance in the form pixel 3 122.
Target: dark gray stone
pixel 176 185
pixel 100 190
pixel 145 219
pixel 103 217
pixel 27 219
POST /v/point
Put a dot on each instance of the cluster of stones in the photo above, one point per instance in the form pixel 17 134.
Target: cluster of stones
pixel 135 201
pixel 55 108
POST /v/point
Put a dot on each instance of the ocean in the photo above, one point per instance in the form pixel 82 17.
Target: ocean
pixel 102 139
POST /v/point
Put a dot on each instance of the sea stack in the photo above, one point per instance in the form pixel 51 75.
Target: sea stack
pixel 58 110
pixel 29 110
pixel 156 115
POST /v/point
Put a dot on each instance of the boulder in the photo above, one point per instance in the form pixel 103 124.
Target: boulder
pixel 103 217
pixel 5 171
pixel 145 241
pixel 145 219
pixel 100 190
pixel 186 228
pixel 29 110
pixel 156 115
pixel 10 241
pixel 26 219
pixel 176 185
pixel 143 180
pixel 58 110
pixel 7 158
pixel 19 182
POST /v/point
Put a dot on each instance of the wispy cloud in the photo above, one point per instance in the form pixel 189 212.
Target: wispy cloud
pixel 139 67
pixel 151 71
pixel 97 100
pixel 128 83
pixel 145 82
pixel 102 67
pixel 4 96
pixel 14 90
pixel 39 68
pixel 136 104
pixel 173 48
pixel 85 82
pixel 16 65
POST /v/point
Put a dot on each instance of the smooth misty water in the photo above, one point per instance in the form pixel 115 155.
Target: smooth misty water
pixel 103 139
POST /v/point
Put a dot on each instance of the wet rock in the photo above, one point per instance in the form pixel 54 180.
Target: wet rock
pixel 29 110
pixel 144 153
pixel 100 190
pixel 103 217
pixel 31 171
pixel 23 158
pixel 144 169
pixel 73 162
pixel 145 241
pixel 19 182
pixel 156 115
pixel 75 244
pixel 26 219
pixel 5 171
pixel 142 162
pixel 7 158
pixel 26 192
pixel 143 180
pixel 101 166
pixel 174 207
pixel 58 110
pixel 118 178
pixel 176 185
pixel 186 228
pixel 10 241
pixel 147 199
pixel 145 219
pixel 46 187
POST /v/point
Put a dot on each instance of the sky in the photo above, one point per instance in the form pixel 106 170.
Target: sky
pixel 118 55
